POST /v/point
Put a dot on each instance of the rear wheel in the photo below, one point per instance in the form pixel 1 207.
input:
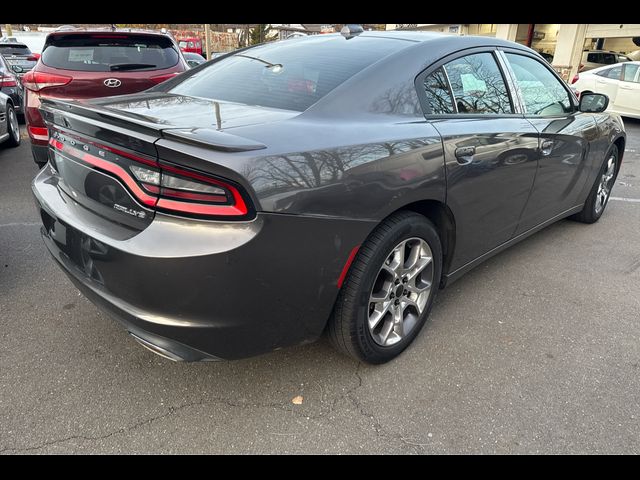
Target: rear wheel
pixel 389 290
pixel 601 190
pixel 12 127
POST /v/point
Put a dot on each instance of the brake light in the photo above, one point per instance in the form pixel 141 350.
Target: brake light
pixel 38 133
pixel 167 188
pixel 36 81
pixel 7 81
pixel 32 58
pixel 162 78
pixel 575 78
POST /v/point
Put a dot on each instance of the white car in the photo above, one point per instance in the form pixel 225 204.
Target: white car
pixel 620 82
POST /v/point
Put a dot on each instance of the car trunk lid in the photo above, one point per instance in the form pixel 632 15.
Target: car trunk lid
pixel 106 160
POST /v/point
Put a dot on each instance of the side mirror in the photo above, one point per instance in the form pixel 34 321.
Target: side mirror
pixel 593 102
pixel 192 63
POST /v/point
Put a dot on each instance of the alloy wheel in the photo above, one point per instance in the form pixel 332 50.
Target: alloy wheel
pixel 400 292
pixel 13 124
pixel 605 186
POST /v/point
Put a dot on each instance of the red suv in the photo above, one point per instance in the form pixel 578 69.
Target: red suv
pixel 78 64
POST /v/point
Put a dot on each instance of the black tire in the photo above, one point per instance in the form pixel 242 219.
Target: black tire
pixel 14 139
pixel 589 213
pixel 348 327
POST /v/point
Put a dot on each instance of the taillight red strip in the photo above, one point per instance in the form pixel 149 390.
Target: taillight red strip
pixel 238 209
pixel 200 208
pixel 237 198
pixel 202 197
pixel 120 172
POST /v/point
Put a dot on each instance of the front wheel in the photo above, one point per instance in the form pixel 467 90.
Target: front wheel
pixel 389 290
pixel 601 190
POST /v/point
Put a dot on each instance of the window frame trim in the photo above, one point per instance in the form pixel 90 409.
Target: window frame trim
pixel 422 96
pixel 502 51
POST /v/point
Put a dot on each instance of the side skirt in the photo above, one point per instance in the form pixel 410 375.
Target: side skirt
pixel 451 277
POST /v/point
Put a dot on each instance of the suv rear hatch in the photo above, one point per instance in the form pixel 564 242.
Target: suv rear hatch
pixel 18 55
pixel 103 64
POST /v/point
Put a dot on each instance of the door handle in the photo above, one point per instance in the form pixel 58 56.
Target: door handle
pixel 464 155
pixel 624 87
pixel 546 146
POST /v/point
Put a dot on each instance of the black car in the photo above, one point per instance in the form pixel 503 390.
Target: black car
pixel 331 182
pixel 18 56
pixel 11 85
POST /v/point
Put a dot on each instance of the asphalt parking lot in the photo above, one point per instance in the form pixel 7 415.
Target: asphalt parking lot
pixel 536 351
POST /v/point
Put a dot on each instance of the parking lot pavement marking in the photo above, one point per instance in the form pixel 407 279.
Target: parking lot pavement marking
pixel 624 199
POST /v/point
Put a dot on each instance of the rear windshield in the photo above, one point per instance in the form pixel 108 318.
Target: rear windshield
pixel 291 74
pixel 14 50
pixel 105 53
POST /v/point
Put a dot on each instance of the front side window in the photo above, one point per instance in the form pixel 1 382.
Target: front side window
pixel 631 73
pixel 542 92
pixel 478 85
pixel 438 94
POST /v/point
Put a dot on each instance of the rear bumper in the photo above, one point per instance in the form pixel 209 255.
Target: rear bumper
pixel 203 290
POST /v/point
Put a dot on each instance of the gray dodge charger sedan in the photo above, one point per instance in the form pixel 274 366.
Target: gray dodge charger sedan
pixel 328 183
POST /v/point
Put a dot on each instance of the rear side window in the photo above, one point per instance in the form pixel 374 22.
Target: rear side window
pixel 478 85
pixel 105 53
pixel 542 92
pixel 291 74
pixel 14 50
pixel 438 94
pixel 631 73
pixel 609 58
pixel 613 73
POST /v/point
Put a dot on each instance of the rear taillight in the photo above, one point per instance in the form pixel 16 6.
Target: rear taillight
pixel 575 78
pixel 166 187
pixel 36 81
pixel 33 58
pixel 6 81
pixel 164 77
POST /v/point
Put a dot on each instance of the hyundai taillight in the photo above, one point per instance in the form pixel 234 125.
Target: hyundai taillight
pixel 575 78
pixel 7 81
pixel 36 81
pixel 168 188
pixel 162 78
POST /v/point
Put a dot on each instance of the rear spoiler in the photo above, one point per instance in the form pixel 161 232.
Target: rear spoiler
pixel 56 110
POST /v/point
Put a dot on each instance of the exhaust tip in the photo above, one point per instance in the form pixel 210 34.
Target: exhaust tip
pixel 156 349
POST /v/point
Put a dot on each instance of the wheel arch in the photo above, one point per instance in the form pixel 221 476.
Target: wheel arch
pixel 443 219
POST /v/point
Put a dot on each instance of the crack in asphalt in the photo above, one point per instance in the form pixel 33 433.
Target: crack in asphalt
pixel 382 432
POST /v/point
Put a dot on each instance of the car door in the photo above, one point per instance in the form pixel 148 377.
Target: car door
pixel 607 81
pixel 627 100
pixel 490 150
pixel 564 135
